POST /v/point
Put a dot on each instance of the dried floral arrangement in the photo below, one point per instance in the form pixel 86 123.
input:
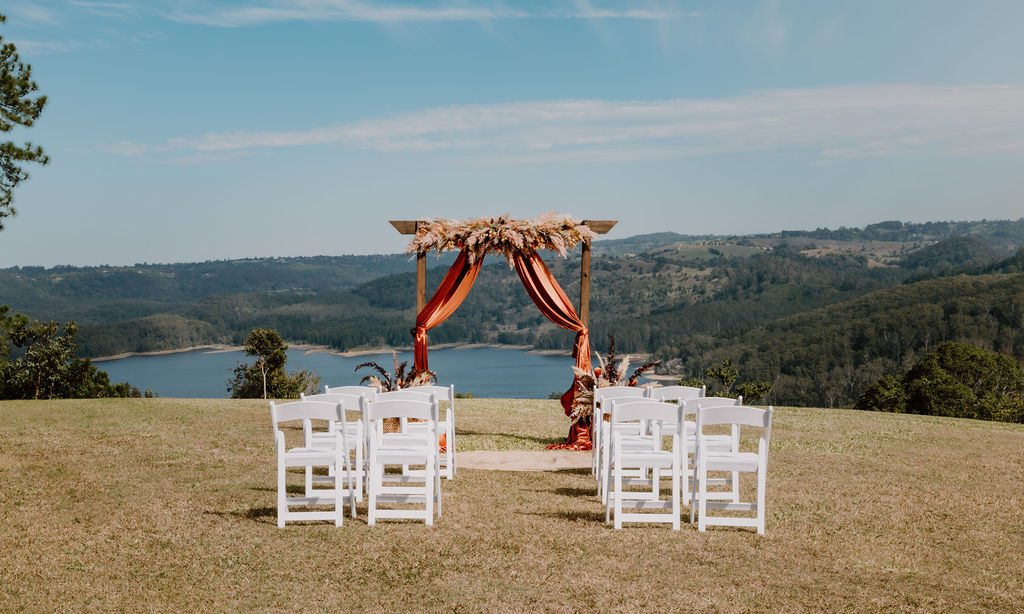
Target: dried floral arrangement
pixel 386 382
pixel 611 371
pixel 501 235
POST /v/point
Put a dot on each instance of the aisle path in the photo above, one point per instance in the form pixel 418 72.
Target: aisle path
pixel 524 460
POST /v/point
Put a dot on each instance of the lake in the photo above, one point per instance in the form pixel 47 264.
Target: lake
pixel 484 372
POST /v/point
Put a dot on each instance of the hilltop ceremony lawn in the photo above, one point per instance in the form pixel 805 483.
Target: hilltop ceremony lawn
pixel 169 505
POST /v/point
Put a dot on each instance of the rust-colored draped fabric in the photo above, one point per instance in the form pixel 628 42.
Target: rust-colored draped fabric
pixel 546 294
pixel 556 306
pixel 449 295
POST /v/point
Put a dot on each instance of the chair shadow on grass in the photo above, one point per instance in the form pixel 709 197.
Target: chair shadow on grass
pixel 291 489
pixel 575 492
pixel 259 514
pixel 570 515
pixel 545 441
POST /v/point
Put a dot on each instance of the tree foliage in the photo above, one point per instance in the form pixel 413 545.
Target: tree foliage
pixel 18 107
pixel 265 377
pixel 957 380
pixel 44 366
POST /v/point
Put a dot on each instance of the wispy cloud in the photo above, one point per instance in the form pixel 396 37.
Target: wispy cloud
pixel 125 148
pixel 30 47
pixel 108 9
pixel 824 123
pixel 252 14
pixel 31 12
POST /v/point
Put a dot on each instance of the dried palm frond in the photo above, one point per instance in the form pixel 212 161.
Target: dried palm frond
pixel 384 383
pixel 374 382
pixel 420 377
pixel 644 368
pixel 400 378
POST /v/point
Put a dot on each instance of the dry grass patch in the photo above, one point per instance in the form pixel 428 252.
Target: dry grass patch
pixel 168 505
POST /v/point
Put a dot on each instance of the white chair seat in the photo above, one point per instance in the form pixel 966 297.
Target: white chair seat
pixel 304 454
pixel 738 461
pixel 660 458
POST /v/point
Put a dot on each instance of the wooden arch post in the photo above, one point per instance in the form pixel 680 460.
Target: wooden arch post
pixel 409 227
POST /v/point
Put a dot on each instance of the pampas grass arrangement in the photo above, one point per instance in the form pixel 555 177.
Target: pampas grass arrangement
pixel 503 235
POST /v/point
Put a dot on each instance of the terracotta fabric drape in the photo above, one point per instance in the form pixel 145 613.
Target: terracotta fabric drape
pixel 556 306
pixel 449 295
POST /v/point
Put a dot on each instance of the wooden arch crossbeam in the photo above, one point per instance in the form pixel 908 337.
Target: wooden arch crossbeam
pixel 409 227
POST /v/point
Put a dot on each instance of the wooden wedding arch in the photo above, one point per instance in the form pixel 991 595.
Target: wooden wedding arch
pixel 518 241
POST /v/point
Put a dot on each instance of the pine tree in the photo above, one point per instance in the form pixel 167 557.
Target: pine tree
pixel 17 108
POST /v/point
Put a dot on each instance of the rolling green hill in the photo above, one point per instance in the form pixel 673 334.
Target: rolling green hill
pixel 821 313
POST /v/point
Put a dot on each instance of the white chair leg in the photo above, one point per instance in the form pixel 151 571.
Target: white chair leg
pixel 685 476
pixel 761 480
pixel 352 487
pixel 618 498
pixel 606 463
pixel 436 487
pixel 339 499
pixel 428 492
pixel 702 497
pixel 675 493
pixel 282 495
pixel 371 491
pixel 360 466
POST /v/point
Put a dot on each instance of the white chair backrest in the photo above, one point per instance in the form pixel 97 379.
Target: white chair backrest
pixel 677 393
pixel 645 409
pixel 356 390
pixel 350 401
pixel 690 405
pixel 406 394
pixel 617 392
pixel 402 408
pixel 305 410
pixel 723 414
pixel 443 393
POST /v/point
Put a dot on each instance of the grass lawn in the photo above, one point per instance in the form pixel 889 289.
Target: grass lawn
pixel 168 505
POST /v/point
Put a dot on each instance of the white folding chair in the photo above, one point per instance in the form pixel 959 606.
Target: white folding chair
pixel 404 449
pixel 446 426
pixel 724 442
pixel 599 426
pixel 355 439
pixel 733 461
pixel 626 454
pixel 307 456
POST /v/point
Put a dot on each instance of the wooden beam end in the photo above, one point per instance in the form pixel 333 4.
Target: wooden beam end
pixel 406 227
pixel 600 227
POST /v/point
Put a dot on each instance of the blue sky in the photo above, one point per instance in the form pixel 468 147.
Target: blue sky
pixel 185 130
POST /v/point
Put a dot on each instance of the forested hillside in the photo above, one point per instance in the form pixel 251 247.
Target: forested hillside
pixel 821 314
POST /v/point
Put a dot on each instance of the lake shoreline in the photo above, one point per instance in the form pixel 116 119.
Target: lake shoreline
pixel 322 349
